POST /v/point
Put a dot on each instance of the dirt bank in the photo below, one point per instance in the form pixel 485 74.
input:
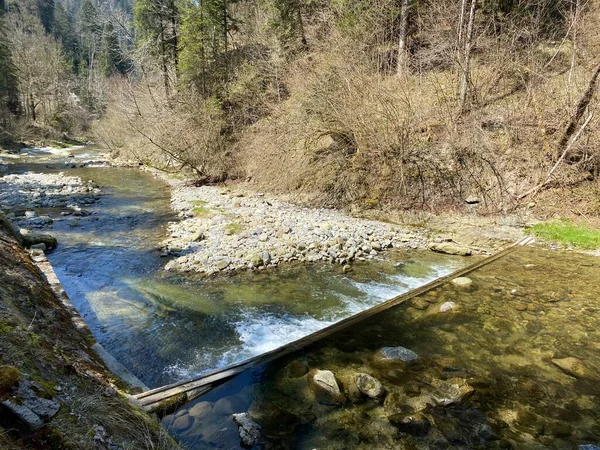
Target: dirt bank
pixel 54 390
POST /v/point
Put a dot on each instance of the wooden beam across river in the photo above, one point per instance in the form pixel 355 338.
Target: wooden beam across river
pixel 185 391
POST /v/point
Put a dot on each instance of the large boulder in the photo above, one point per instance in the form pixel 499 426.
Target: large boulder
pixel 325 387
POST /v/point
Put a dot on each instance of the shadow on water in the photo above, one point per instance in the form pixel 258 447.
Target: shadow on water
pixel 515 365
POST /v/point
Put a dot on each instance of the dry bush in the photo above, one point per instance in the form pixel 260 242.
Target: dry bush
pixel 177 134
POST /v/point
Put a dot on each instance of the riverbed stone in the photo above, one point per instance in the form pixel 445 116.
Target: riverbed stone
pixel 396 354
pixel 298 368
pixel 574 367
pixel 228 405
pixel 182 423
pixel 201 410
pixel 369 386
pixel 462 282
pixel 450 248
pixel 453 390
pixel 249 430
pixel 325 387
pixel 416 424
pixel 32 239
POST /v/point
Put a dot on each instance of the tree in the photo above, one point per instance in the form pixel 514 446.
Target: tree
pixel 402 46
pixel 465 74
pixel 157 25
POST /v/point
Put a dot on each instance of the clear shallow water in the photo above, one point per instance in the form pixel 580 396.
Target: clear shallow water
pixel 168 329
pixel 521 315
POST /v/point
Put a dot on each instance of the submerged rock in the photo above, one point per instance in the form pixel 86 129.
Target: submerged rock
pixel 396 354
pixel 298 369
pixel 369 386
pixel 462 282
pixel 182 423
pixel 248 428
pixel 325 387
pixel 450 391
pixel 574 367
pixel 201 410
pixel 33 240
pixel 415 424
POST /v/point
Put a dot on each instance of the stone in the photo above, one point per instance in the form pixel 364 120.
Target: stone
pixel 325 387
pixel 298 369
pixel 41 246
pixel 462 282
pixel 266 257
pixel 25 416
pixel 228 405
pixel 396 354
pixel 182 423
pixel 197 236
pixel 30 214
pixel 223 264
pixel 369 386
pixel 574 367
pixel 472 200
pixel 453 390
pixel 31 239
pixel 249 430
pixel 200 410
pixel 415 424
pixel 419 303
pixel 256 260
pixel 450 248
pixel 346 269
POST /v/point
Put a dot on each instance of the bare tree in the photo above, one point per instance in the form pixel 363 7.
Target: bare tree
pixel 465 77
pixel 402 44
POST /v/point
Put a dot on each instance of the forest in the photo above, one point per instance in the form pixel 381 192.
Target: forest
pixel 413 104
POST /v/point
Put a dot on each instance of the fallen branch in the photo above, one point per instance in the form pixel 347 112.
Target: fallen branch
pixel 535 189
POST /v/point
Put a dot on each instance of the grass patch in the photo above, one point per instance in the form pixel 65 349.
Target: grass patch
pixel 233 228
pixel 568 233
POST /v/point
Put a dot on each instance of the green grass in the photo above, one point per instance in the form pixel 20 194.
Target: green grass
pixel 568 233
pixel 200 209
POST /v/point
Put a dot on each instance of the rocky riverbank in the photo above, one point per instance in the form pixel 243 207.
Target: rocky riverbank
pixel 54 390
pixel 224 230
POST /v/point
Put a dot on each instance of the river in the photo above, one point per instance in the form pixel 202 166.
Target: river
pixel 169 328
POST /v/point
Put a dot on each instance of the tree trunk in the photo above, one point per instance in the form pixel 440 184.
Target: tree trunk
pixel 582 105
pixel 465 78
pixel 402 66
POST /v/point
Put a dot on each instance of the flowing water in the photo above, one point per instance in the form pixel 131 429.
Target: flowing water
pixel 515 365
pixel 165 329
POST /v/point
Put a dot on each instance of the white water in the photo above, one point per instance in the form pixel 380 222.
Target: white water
pixel 259 333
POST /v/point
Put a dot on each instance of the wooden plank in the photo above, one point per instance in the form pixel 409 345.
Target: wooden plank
pixel 154 396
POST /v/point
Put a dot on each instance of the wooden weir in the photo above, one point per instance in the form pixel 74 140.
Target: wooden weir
pixel 185 391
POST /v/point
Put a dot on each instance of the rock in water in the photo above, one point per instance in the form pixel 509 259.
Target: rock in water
pixel 248 428
pixel 574 367
pixel 397 354
pixel 182 423
pixel 200 410
pixel 462 282
pixel 415 424
pixel 369 386
pixel 453 390
pixel 325 387
pixel 450 248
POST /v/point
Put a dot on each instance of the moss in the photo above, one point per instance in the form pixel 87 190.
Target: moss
pixel 566 232
pixel 5 328
pixel 233 228
pixel 202 211
pixel 170 405
pixel 9 377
